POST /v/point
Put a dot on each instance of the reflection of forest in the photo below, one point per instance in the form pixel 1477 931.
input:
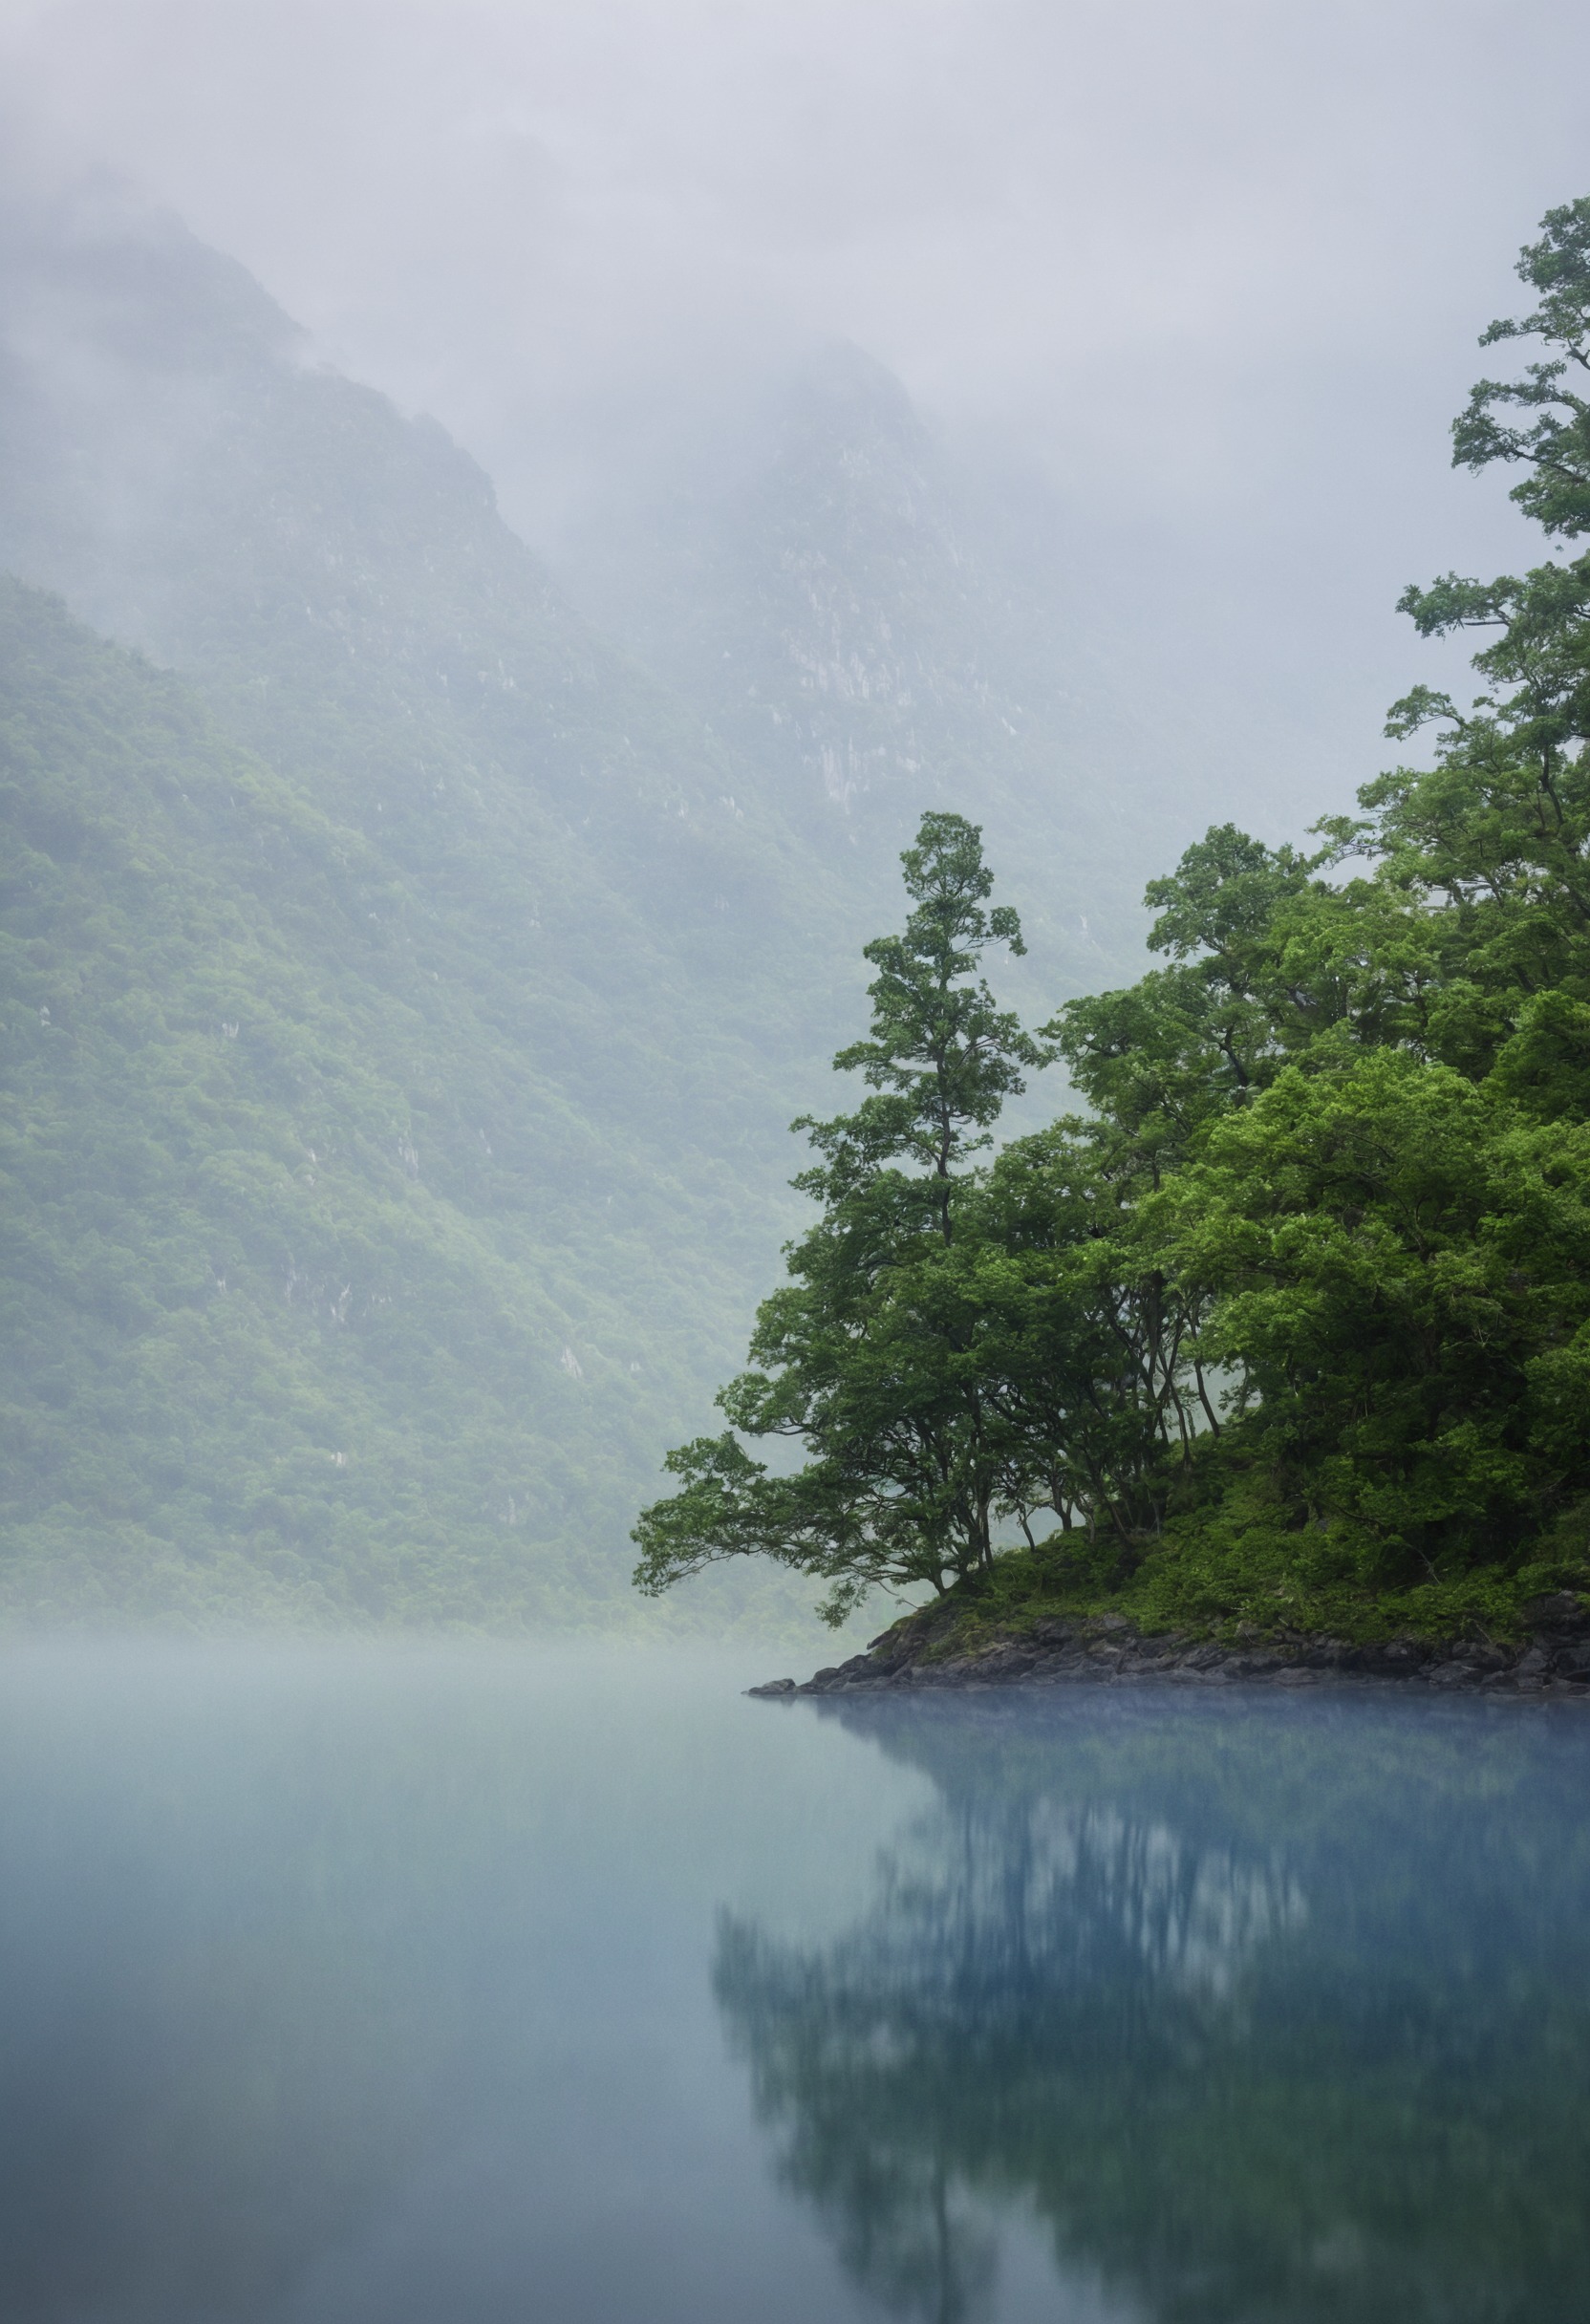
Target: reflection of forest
pixel 1270 2011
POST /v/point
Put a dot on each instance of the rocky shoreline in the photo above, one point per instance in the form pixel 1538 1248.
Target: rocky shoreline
pixel 1109 1650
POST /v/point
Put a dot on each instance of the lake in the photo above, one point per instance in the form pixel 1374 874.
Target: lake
pixel 395 1984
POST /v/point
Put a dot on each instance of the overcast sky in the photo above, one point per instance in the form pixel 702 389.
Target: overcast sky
pixel 1221 265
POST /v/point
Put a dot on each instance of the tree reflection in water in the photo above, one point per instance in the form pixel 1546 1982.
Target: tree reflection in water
pixel 1268 2010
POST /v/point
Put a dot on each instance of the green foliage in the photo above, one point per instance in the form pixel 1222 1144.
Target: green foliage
pixel 1398 1271
pixel 1557 443
pixel 874 1356
pixel 324 1297
pixel 1298 1318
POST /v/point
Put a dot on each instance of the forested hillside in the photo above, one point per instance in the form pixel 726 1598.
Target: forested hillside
pixel 468 1031
pixel 576 926
pixel 442 935
pixel 321 1296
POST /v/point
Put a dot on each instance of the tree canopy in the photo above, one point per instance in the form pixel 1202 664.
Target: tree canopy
pixel 874 1355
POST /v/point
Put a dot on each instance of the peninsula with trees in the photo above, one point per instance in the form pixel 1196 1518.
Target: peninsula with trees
pixel 1283 1336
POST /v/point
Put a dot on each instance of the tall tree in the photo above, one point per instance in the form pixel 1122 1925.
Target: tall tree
pixel 1496 835
pixel 875 1357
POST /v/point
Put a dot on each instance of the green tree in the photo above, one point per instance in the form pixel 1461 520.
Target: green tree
pixel 877 1356
pixel 1491 846
pixel 1345 1119
pixel 1399 1265
pixel 1093 1365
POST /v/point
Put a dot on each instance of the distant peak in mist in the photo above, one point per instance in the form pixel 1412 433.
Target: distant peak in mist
pixel 844 386
pixel 90 260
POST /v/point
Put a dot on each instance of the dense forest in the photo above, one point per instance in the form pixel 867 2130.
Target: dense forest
pixel 282 1169
pixel 379 1180
pixel 1292 1328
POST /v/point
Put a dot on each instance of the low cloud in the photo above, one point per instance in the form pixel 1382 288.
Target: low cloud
pixel 1217 270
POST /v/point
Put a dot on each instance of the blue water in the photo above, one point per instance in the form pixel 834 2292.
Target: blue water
pixel 455 1985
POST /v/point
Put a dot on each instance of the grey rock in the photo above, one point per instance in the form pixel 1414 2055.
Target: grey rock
pixel 1404 1654
pixel 1104 1651
pixel 1560 1610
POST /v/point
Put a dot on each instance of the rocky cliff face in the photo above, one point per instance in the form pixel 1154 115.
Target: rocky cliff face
pixel 872 625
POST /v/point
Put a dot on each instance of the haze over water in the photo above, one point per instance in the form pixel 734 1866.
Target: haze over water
pixel 398 1983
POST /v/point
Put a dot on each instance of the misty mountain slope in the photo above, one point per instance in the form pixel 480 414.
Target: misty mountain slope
pixel 339 583
pixel 569 992
pixel 284 1331
pixel 873 627
pixel 579 943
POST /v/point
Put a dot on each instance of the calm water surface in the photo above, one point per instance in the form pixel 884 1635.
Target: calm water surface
pixel 463 1985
